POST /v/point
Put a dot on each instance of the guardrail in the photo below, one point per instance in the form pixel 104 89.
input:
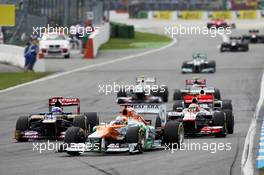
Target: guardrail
pixel 14 55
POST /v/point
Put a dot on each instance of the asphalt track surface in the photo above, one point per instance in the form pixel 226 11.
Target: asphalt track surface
pixel 238 77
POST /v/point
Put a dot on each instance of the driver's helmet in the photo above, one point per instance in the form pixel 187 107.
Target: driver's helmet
pixel 56 110
pixel 120 120
pixel 193 107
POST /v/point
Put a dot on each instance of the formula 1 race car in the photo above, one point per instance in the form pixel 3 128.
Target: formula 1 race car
pixel 129 132
pixel 253 37
pixel 145 91
pixel 234 44
pixel 204 116
pixel 195 87
pixel 199 64
pixel 53 124
pixel 217 23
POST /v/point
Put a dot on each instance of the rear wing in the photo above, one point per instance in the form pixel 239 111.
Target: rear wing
pixel 195 81
pixel 253 31
pixel 199 55
pixel 235 38
pixel 64 102
pixel 207 98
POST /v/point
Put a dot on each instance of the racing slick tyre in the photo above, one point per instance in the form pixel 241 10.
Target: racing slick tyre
pixel 245 48
pixel 173 134
pixel 80 121
pixel 158 122
pixel 177 104
pixel 165 94
pixel 162 93
pixel 227 104
pixel 158 129
pixel 229 121
pixel 22 125
pixel 74 135
pixel 219 120
pixel 212 65
pixel 217 94
pixel 67 56
pixel 184 65
pixel 222 48
pixel 92 121
pixel 177 95
pixel 136 135
pixel 121 93
pixel 209 25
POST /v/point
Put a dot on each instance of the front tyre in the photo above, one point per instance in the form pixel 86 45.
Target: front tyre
pixel 136 136
pixel 173 134
pixel 22 125
pixel 74 135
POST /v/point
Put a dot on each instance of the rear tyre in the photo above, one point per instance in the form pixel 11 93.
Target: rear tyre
pixel 173 134
pixel 227 105
pixel 177 95
pixel 184 65
pixel 219 120
pixel 67 56
pixel 217 94
pixel 22 125
pixel 158 122
pixel 229 121
pixel 165 94
pixel 212 64
pixel 80 121
pixel 222 48
pixel 177 104
pixel 92 121
pixel 246 48
pixel 136 135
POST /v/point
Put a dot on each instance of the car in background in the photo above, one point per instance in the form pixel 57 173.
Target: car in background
pixel 199 64
pixel 253 37
pixel 128 132
pixel 234 44
pixel 55 45
pixel 217 23
pixel 53 124
pixel 196 86
pixel 145 91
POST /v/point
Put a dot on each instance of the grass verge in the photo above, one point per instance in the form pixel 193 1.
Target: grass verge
pixel 141 40
pixel 9 79
pixel 261 171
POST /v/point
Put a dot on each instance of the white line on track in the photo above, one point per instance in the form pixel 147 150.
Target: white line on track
pixel 89 67
pixel 247 167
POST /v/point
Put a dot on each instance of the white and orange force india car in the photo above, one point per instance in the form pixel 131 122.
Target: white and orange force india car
pixel 195 87
pixel 203 115
pixel 52 125
pixel 145 91
pixel 129 132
